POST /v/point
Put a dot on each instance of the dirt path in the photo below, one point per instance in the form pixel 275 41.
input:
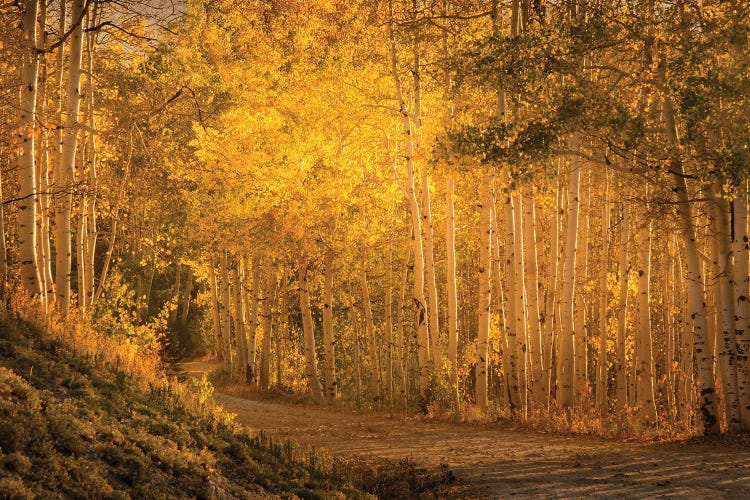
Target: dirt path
pixel 493 462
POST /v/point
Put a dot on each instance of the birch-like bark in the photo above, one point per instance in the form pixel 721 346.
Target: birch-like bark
pixel 251 303
pixel 580 308
pixel 27 188
pixel 515 355
pixel 239 321
pixel 419 274
pixel 644 368
pixel 226 312
pixel 484 281
pixel 452 306
pixel 311 364
pixel 697 309
pixel 329 361
pixel 727 343
pixel 92 174
pixel 602 376
pixel 370 331
pixel 64 176
pixel 388 333
pixel 566 381
pixel 742 302
pixel 436 343
pixel 519 299
pixel 267 326
pixel 621 374
pixel 216 316
pixel 539 388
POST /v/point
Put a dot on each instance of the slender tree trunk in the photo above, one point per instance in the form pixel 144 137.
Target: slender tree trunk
pixel 484 279
pixel 27 188
pixel 388 305
pixel 566 382
pixel 695 279
pixel 251 303
pixel 226 313
pixel 419 272
pixel 186 295
pixel 509 397
pixel 267 317
pixel 311 363
pixel 401 350
pixel 644 360
pixel 603 375
pixel 452 320
pixel 65 175
pixel 436 344
pixel 580 314
pixel 621 379
pixel 239 321
pixel 216 316
pixel 370 331
pixel 538 386
pixel 329 362
pixel 515 355
pixel 92 176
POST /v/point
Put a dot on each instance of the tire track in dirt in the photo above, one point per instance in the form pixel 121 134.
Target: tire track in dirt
pixel 493 462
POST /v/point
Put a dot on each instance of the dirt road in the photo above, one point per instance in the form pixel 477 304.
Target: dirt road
pixel 493 462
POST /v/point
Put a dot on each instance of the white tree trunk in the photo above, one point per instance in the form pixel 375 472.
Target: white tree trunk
pixel 539 387
pixel 452 319
pixel 329 361
pixel 267 322
pixel 226 313
pixel 566 381
pixel 484 291
pixel 644 368
pixel 621 374
pixel 27 188
pixel 436 344
pixel 239 321
pixel 65 176
pixel 370 331
pixel 216 316
pixel 311 364
pixel 742 300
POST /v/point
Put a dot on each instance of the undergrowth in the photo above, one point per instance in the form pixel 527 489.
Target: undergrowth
pixel 88 415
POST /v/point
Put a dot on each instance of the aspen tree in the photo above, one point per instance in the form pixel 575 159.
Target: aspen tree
pixel 27 188
pixel 434 327
pixel 621 384
pixel 311 364
pixel 217 322
pixel 452 306
pixel 239 321
pixel 329 361
pixel 515 355
pixel 370 330
pixel 251 303
pixel 741 279
pixel 64 176
pixel 580 319
pixel 697 311
pixel 388 333
pixel 511 396
pixel 484 279
pixel 419 272
pixel 566 352
pixel 522 341
pixel 92 190
pixel 226 313
pixel 727 343
pixel 535 353
pixel 644 370
pixel 603 374
pixel 267 321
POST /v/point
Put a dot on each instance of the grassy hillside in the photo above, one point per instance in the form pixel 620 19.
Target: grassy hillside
pixel 75 422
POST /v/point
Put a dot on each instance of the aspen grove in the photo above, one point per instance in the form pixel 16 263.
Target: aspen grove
pixel 536 210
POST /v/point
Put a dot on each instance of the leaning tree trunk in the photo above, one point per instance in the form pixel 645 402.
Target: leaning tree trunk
pixel 311 364
pixel 695 280
pixel 419 272
pixel 27 189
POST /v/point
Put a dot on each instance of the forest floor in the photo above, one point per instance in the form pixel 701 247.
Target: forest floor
pixel 489 461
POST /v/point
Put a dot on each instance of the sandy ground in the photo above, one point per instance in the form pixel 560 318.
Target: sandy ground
pixel 490 462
